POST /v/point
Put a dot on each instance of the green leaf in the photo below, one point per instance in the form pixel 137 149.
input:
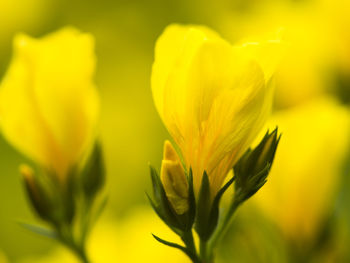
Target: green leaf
pixel 192 256
pixel 170 244
pixel 39 230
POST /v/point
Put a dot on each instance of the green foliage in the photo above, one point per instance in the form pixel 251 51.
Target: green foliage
pixel 43 231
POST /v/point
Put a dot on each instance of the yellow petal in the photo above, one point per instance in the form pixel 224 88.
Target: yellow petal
pixel 267 53
pixel 48 101
pixel 175 48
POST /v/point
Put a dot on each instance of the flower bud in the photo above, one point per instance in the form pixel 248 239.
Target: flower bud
pixel 174 180
pixel 93 174
pixel 254 166
pixel 265 152
pixel 35 192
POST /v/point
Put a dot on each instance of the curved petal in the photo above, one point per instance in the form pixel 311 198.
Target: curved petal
pixel 174 51
pixel 225 109
pixel 48 102
pixel 268 54
pixel 21 121
pixel 65 92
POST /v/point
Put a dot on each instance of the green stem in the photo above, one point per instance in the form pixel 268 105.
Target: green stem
pixel 206 257
pixel 80 252
pixel 66 237
pixel 222 228
pixel 187 238
pixel 203 251
pixel 84 221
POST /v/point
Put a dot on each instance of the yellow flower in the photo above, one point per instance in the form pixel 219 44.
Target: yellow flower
pixel 48 101
pixel 306 172
pixel 213 97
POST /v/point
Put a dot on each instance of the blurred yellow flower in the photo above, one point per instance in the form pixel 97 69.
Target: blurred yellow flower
pixel 212 97
pixel 304 178
pixel 48 101
pixel 336 14
pixel 135 235
pixel 306 69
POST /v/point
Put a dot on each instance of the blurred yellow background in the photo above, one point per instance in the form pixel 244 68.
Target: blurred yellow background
pixel 304 211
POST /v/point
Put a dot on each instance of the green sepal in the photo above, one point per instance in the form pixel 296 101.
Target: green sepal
pixel 161 204
pixel 214 213
pixel 254 166
pixel 63 203
pixel 191 213
pixel 93 174
pixel 180 224
pixel 208 213
pixel 203 209
pixel 157 209
pixel 68 196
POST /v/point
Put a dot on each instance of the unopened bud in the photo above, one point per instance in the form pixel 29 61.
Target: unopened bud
pixel 267 150
pixel 35 192
pixel 254 166
pixel 93 174
pixel 174 180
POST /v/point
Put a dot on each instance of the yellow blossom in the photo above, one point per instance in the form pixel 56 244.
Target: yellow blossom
pixel 174 179
pixel 319 43
pixel 48 101
pixel 306 172
pixel 213 97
